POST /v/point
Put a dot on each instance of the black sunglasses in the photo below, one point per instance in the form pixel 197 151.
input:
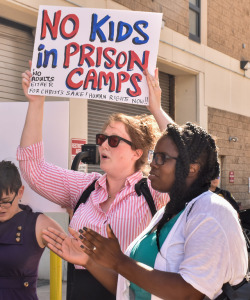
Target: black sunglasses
pixel 113 140
pixel 158 157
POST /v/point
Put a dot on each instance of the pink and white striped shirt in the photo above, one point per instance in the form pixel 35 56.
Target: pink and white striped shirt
pixel 128 214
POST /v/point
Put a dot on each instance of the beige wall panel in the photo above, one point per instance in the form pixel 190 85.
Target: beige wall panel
pixel 166 35
pixel 86 3
pixel 217 87
pixel 202 109
pixel 185 99
pixel 218 58
pixel 240 95
pixel 35 3
pixel 226 90
pixel 184 43
pixel 19 13
pixel 114 5
pixel 165 52
pixel 189 61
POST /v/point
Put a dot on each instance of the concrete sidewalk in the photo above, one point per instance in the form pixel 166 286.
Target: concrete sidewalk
pixel 43 290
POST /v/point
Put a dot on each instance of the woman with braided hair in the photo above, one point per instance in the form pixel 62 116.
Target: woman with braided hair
pixel 196 147
pixel 192 246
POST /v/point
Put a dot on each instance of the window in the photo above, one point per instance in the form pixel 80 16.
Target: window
pixel 194 20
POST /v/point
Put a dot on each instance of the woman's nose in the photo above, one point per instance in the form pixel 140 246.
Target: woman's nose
pixel 105 144
pixel 153 164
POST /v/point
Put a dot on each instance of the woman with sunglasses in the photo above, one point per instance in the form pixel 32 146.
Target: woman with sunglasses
pixel 123 148
pixel 21 242
pixel 192 246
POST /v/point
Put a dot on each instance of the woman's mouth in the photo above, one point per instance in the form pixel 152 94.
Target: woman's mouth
pixel 104 156
pixel 151 176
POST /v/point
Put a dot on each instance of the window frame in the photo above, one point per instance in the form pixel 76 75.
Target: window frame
pixel 197 9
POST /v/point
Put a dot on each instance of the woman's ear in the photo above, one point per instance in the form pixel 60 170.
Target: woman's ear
pixel 20 192
pixel 194 170
pixel 138 153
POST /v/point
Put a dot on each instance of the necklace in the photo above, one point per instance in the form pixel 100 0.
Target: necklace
pixel 109 196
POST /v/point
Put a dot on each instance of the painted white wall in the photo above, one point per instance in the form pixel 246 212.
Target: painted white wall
pixel 56 140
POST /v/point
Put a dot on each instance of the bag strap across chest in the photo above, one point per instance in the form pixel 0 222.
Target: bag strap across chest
pixel 141 187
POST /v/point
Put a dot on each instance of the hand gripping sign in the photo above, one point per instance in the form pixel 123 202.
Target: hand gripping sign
pixel 94 53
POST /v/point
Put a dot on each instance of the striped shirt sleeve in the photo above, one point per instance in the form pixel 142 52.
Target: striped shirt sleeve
pixel 56 184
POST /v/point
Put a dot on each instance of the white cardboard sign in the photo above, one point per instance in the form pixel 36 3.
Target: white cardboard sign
pixel 94 53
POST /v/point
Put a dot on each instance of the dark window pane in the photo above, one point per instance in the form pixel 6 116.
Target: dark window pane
pixel 193 22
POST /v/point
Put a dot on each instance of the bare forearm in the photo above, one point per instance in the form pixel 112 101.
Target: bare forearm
pixel 107 277
pixel 162 119
pixel 32 131
pixel 163 284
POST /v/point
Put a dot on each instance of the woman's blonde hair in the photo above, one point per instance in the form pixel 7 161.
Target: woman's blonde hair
pixel 143 131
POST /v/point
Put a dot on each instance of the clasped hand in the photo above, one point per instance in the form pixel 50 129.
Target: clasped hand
pixel 84 246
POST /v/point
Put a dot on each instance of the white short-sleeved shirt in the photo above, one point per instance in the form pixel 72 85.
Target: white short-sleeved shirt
pixel 206 247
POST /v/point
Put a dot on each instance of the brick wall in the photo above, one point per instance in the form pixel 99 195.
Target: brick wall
pixel 228 22
pixel 235 155
pixel 228 27
pixel 175 13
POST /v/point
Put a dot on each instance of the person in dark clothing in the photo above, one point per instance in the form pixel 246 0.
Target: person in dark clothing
pixel 21 242
pixel 223 193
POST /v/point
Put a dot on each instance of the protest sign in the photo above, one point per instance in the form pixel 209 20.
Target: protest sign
pixel 94 53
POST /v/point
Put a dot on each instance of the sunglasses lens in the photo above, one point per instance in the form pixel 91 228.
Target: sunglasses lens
pixel 113 141
pixel 100 139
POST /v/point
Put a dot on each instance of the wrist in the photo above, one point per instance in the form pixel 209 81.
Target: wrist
pixel 121 263
pixel 89 264
pixel 38 102
pixel 155 110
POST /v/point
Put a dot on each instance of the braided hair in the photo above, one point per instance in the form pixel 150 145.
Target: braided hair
pixel 194 145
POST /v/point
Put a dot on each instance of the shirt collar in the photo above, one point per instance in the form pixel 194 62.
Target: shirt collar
pixel 130 181
pixel 134 178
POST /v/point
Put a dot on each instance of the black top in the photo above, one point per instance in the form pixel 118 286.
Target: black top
pixel 19 256
pixel 228 196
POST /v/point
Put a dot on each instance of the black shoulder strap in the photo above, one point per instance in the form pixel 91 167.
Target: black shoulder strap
pixel 85 194
pixel 229 291
pixel 141 187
